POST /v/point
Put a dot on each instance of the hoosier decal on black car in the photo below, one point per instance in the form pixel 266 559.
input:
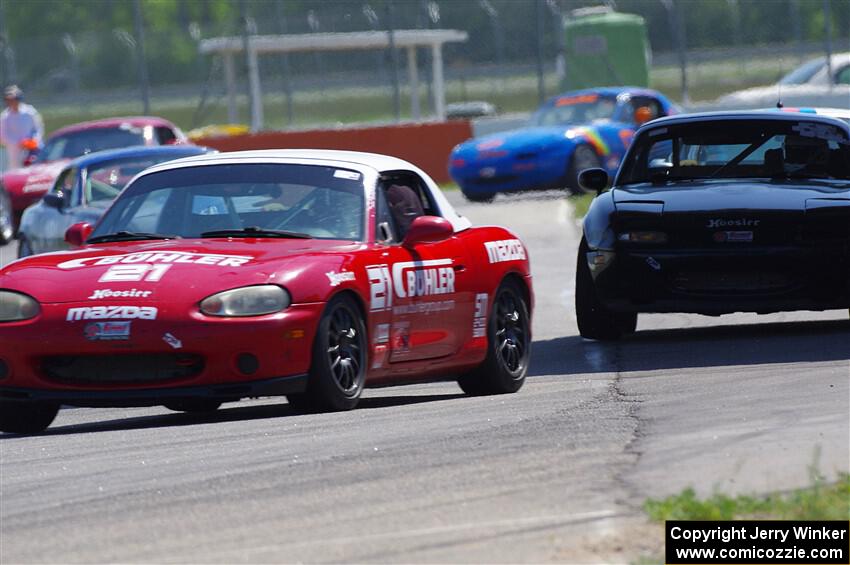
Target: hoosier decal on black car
pixel 739 223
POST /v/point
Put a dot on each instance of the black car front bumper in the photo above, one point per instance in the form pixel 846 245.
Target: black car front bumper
pixel 722 281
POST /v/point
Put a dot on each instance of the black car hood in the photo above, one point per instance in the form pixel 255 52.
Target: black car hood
pixel 707 195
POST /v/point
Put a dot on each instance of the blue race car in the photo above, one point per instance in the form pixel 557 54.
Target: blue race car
pixel 571 132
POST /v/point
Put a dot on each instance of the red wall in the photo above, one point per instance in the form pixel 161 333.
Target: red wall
pixel 425 145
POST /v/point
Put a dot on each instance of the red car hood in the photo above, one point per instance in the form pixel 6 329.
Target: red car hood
pixel 175 271
pixel 35 179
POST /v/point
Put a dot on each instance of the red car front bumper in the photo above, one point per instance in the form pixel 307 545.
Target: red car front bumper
pixel 175 355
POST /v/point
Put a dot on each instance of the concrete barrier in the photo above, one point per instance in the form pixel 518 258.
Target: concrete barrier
pixel 426 145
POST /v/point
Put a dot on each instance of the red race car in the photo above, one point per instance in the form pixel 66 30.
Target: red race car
pixel 302 273
pixel 28 184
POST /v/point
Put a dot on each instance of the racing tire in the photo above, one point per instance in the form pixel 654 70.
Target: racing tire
pixel 584 157
pixel 340 358
pixel 595 320
pixel 481 198
pixel 194 405
pixel 7 222
pixel 24 249
pixel 508 346
pixel 26 417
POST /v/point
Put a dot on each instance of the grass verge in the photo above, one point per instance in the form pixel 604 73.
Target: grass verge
pixel 580 204
pixel 821 501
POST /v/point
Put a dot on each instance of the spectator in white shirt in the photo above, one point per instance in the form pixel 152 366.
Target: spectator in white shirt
pixel 21 127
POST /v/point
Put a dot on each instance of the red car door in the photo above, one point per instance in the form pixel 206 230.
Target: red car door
pixel 427 289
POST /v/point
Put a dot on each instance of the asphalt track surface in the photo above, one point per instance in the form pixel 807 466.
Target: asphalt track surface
pixel 741 403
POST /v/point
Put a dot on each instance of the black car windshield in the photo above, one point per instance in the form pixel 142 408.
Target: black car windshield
pixel 757 148
pixel 575 109
pixel 242 200
pixel 74 144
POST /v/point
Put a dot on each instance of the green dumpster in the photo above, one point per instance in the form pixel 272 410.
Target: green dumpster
pixel 606 49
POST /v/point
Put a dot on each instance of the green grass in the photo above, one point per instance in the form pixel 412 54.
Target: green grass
pixel 581 204
pixel 821 501
pixel 329 108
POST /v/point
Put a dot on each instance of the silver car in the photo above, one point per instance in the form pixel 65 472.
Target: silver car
pixel 84 190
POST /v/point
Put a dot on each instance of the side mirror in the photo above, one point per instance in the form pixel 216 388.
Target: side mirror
pixel 427 229
pixel 55 200
pixel 593 179
pixel 77 234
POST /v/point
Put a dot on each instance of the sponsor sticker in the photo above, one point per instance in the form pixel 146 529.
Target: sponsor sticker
pixel 505 250
pixel 479 320
pixel 101 294
pixel 821 131
pixel 338 278
pixel 733 236
pixel 491 144
pixel 158 258
pixel 111 313
pixel 349 175
pixel 430 307
pixel 107 331
pixel 409 279
pixel 401 338
pixel 382 333
pixel 172 341
pixel 731 223
pixel 379 354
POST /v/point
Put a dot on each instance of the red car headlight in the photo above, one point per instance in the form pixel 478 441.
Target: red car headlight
pixel 15 306
pixel 246 301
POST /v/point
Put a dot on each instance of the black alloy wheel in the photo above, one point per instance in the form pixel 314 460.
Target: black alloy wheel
pixel 340 358
pixel 508 345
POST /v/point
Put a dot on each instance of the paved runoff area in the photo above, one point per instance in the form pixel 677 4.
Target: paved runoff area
pixel 554 473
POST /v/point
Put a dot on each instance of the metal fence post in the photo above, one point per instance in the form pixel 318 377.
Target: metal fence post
pixel 142 65
pixel 541 84
pixel 827 38
pixel 394 59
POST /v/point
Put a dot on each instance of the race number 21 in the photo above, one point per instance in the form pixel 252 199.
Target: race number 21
pixel 134 273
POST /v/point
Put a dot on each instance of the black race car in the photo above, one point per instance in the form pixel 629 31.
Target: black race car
pixel 718 213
